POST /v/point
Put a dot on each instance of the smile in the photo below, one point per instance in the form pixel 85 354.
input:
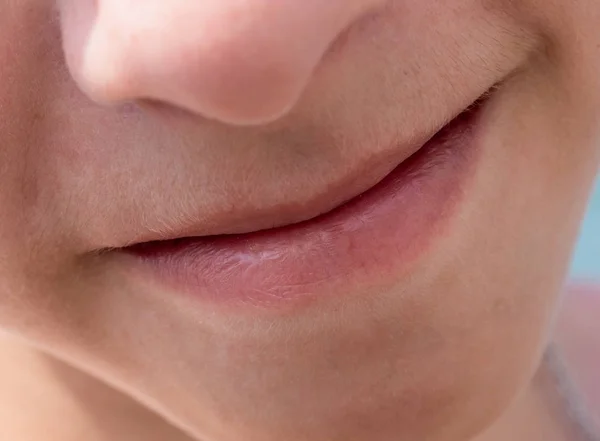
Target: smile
pixel 382 230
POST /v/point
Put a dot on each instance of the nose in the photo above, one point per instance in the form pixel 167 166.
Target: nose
pixel 237 61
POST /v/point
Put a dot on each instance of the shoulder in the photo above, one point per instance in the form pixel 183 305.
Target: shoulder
pixel 578 337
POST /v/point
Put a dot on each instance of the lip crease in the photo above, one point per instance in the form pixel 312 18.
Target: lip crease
pixel 379 232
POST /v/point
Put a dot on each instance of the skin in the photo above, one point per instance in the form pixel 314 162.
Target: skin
pixel 117 118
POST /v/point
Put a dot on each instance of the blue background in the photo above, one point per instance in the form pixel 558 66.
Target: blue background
pixel 586 262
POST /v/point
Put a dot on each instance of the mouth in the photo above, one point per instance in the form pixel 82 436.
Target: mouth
pixel 382 230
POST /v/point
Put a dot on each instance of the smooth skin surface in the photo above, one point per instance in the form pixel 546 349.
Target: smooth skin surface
pixel 120 117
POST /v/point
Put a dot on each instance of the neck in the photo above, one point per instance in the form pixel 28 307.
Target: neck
pixel 76 406
pixel 549 409
pixel 44 399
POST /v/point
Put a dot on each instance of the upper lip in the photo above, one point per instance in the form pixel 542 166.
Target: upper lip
pixel 243 221
pixel 251 219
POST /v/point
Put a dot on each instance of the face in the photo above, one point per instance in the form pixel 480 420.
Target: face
pixel 416 310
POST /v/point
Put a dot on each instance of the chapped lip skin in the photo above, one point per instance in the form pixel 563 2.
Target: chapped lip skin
pixel 379 232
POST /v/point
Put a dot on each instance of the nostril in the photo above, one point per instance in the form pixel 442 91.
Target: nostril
pixel 233 89
pixel 109 70
pixel 242 63
pixel 93 54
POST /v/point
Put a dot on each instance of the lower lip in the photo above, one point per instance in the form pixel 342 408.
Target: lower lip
pixel 376 236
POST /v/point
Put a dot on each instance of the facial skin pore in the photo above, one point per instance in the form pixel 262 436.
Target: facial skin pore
pixel 119 119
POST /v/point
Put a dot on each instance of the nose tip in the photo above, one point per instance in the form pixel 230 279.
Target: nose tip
pixel 239 62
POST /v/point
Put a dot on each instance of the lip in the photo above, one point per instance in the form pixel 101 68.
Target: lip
pixel 378 233
pixel 299 206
